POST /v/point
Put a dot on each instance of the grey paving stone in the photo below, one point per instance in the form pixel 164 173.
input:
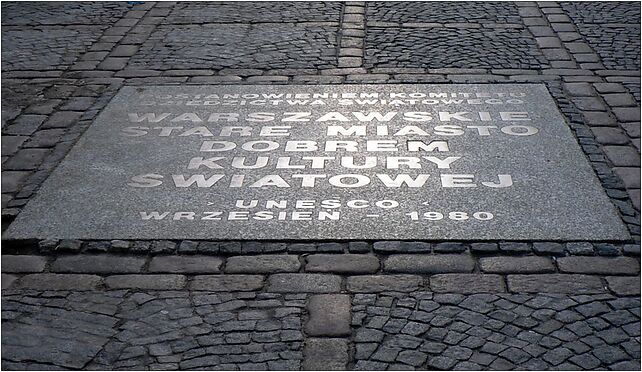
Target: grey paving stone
pixel 599 265
pixel 225 283
pixel 516 265
pixel 328 354
pixel 610 136
pixel 554 283
pixel 381 283
pixel 342 263
pixel 69 245
pixel 514 247
pixel 580 248
pixel 632 129
pixel 11 144
pixel 329 315
pixel 81 282
pixel 358 247
pixel 596 118
pixel 298 283
pixel 124 50
pixel 429 264
pixel 262 264
pixel 467 283
pixel 26 159
pixel 46 138
pixel 62 119
pixel 97 264
pixel 185 265
pixel 146 281
pixel 23 263
pixel 8 280
pixel 630 176
pixel 579 89
pixel 26 124
pixel 624 285
pixel 548 248
pixel 627 114
pixel 619 99
pixel 622 156
pixel 609 87
pixel 484 247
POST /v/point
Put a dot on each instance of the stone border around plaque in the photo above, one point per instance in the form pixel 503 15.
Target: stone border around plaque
pixel 339 162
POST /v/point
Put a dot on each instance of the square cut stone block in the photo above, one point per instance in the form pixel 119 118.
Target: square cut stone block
pixel 325 354
pixel 329 315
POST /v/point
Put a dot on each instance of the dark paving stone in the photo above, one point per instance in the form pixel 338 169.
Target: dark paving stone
pixel 456 48
pixel 253 12
pixel 444 12
pixel 273 46
pixel 542 344
pixel 61 13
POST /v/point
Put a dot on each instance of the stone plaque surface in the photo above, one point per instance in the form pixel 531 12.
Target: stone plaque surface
pixel 465 162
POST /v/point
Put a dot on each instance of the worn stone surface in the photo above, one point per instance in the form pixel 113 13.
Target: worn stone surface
pixel 187 265
pixel 97 264
pixel 132 207
pixel 523 265
pixel 427 264
pixel 263 264
pixel 139 329
pixel 23 264
pixel 149 281
pixel 325 354
pixel 314 283
pixel 380 283
pixel 329 315
pixel 422 330
pixel 59 281
pixel 225 283
pixel 467 283
pixel 599 265
pixel 554 283
pixel 344 263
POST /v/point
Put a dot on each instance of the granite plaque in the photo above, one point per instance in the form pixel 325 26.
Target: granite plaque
pixel 465 162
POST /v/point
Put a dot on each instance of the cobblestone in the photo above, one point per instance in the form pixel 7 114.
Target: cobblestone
pixel 137 329
pixel 481 316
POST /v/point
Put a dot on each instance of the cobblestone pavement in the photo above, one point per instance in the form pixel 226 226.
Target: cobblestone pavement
pixel 70 304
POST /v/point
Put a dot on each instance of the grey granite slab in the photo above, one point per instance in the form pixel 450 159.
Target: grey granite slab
pixel 553 193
